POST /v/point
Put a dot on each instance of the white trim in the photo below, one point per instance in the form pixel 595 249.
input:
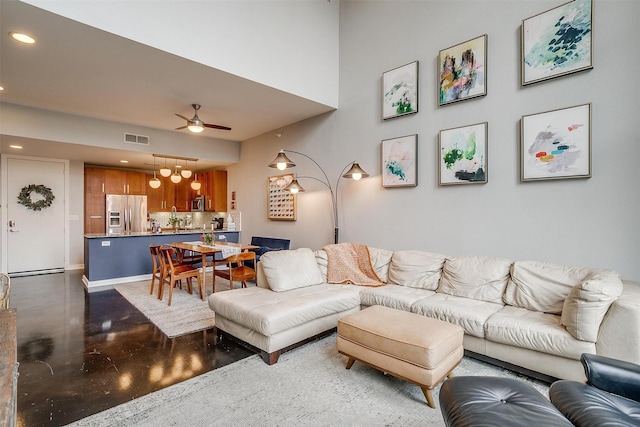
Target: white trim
pixel 102 285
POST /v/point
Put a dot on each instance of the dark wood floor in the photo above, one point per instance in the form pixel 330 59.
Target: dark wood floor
pixel 82 353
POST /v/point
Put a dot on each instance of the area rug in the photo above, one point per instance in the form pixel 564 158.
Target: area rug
pixel 309 386
pixel 186 314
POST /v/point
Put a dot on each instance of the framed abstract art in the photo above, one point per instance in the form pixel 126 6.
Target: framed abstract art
pixel 400 91
pixel 557 42
pixel 463 155
pixel 556 144
pixel 462 71
pixel 400 161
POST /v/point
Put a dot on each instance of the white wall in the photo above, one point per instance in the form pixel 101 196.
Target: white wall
pixel 289 45
pixel 583 222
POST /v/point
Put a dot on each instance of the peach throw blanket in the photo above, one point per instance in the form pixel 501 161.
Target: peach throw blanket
pixel 350 263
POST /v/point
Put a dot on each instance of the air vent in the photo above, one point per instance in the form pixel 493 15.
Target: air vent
pixel 136 139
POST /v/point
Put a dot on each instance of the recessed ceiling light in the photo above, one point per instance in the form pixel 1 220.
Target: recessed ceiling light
pixel 22 38
pixel 1 88
pixel 19 147
pixel 124 161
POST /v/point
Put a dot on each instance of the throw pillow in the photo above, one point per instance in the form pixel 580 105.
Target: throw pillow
pixel 588 302
pixel 290 269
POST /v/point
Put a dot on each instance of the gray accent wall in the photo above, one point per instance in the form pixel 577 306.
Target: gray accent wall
pixel 583 222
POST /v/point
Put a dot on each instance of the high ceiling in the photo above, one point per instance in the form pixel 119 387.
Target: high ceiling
pixel 80 70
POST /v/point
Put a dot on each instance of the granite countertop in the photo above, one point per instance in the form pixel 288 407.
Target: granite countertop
pixel 165 231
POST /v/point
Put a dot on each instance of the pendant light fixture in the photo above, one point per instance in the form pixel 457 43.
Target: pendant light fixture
pixel 154 182
pixel 175 177
pixel 165 171
pixel 195 184
pixel 185 172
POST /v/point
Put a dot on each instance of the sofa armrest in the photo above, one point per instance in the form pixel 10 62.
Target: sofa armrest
pixel 619 335
pixel 612 375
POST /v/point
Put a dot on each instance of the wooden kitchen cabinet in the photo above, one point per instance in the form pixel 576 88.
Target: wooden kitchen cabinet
pixel 183 195
pixel 94 200
pixel 214 183
pixel 125 182
pixel 162 198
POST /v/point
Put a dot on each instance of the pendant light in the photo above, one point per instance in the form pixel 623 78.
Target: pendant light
pixel 186 173
pixel 165 171
pixel 195 184
pixel 154 182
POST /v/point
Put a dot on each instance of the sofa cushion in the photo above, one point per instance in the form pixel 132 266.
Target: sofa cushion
pixel 269 313
pixel 470 314
pixel 416 269
pixel 536 331
pixel 541 286
pixel 588 302
pixel 476 277
pixel 380 260
pixel 290 269
pixel 392 296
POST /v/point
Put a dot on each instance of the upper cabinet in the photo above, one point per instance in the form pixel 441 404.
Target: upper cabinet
pixel 214 184
pixel 125 182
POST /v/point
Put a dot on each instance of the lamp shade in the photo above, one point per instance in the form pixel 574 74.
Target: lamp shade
pixel 154 182
pixel 165 171
pixel 355 172
pixel 281 162
pixel 294 187
pixel 186 173
pixel 195 184
pixel 175 177
pixel 195 127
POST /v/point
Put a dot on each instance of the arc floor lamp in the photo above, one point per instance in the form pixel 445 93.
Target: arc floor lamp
pixel 354 172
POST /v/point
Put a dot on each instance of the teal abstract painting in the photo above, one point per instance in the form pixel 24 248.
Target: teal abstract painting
pixel 463 155
pixel 557 42
pixel 399 161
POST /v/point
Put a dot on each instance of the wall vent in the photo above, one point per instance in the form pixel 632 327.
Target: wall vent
pixel 136 139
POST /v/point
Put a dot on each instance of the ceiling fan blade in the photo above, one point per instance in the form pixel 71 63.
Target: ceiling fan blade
pixel 207 125
pixel 183 117
pixel 181 127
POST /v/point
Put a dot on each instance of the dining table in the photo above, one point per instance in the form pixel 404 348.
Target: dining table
pixel 205 251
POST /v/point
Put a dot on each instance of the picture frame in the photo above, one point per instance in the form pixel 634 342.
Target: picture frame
pixel 556 144
pixel 399 161
pixel 463 155
pixel 557 42
pixel 462 71
pixel 400 91
pixel 281 204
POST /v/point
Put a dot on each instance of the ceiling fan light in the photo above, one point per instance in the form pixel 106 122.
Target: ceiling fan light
pixel 195 128
pixel 165 171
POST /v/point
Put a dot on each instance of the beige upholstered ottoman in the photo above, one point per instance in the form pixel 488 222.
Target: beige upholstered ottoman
pixel 415 348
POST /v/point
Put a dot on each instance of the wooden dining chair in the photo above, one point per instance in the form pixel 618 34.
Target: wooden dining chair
pixel 175 273
pixel 236 270
pixel 158 270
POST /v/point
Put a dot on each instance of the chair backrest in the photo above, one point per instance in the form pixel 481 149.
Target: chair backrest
pixel 271 242
pixel 166 258
pixel 155 256
pixel 241 258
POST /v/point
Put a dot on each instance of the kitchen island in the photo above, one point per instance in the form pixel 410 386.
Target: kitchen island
pixel 121 258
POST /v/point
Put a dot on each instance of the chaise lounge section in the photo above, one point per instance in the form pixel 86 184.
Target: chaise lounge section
pixel 534 317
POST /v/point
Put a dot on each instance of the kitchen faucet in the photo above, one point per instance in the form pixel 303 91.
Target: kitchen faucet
pixel 173 211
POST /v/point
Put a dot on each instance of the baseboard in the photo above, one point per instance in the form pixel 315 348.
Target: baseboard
pixel 510 366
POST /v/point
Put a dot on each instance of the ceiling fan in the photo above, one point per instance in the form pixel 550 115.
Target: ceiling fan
pixel 195 124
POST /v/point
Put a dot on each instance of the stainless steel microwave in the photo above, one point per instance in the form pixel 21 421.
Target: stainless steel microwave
pixel 198 204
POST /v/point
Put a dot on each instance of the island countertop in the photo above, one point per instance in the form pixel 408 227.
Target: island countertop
pixel 165 232
pixel 121 258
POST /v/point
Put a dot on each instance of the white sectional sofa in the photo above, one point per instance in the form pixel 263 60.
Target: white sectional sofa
pixel 536 316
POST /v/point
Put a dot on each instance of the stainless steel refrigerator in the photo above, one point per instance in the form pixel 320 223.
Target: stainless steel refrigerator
pixel 126 214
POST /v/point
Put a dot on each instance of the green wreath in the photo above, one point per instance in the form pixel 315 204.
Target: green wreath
pixel 24 198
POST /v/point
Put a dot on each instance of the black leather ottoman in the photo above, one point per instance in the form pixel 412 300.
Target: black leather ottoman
pixel 493 401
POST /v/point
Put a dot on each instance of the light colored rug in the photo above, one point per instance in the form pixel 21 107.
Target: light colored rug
pixel 187 313
pixel 309 386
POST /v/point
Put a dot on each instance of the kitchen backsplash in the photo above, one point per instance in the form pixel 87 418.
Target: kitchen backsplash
pixel 195 220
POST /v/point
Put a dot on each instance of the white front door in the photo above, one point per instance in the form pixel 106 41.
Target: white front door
pixel 35 238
